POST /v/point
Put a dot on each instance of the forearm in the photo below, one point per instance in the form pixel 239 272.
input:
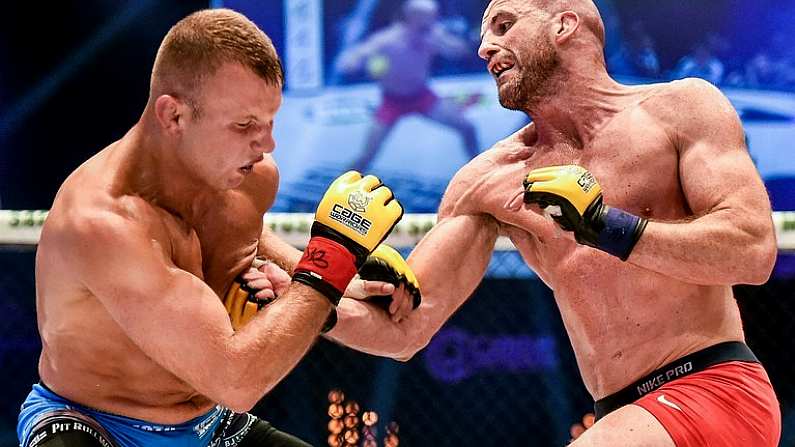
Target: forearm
pixel 724 247
pixel 274 249
pixel 449 264
pixel 199 345
pixel 264 351
pixel 731 242
pixel 282 332
pixel 358 322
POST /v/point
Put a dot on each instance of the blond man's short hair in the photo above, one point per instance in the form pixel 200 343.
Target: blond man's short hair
pixel 198 45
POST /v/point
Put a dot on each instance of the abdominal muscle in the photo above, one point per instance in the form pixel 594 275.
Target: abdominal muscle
pixel 623 321
pixel 87 359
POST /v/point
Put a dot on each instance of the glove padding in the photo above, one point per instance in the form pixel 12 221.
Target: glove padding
pixel 578 195
pixel 241 303
pixel 355 215
pixel 385 264
pixel 358 212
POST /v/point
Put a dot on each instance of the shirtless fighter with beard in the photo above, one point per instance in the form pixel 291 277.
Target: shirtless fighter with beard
pixel 663 212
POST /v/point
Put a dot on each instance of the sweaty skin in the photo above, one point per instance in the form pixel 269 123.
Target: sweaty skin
pixel 620 324
pixel 624 319
pixel 673 153
pixel 134 256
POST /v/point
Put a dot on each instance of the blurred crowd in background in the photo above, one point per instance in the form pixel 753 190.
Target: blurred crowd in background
pixel 73 91
pixel 727 43
pixel 771 67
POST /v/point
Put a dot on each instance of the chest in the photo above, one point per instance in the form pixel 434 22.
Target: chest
pixel 229 236
pixel 637 169
pixel 222 244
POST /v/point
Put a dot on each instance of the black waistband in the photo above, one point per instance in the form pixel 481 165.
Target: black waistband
pixel 689 364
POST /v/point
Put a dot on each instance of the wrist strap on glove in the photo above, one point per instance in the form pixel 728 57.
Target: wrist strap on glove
pixel 326 266
pixel 617 231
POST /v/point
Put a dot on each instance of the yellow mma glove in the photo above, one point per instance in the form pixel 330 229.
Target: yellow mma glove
pixel 387 265
pixel 352 219
pixel 578 195
pixel 358 211
pixel 242 305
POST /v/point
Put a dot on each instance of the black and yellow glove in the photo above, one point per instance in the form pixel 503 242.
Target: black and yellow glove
pixel 242 303
pixel 385 264
pixel 582 211
pixel 355 215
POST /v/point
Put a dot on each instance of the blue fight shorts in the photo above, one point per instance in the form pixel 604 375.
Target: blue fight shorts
pixel 45 416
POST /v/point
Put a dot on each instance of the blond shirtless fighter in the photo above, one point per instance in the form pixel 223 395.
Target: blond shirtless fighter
pixel 143 238
pixel 665 212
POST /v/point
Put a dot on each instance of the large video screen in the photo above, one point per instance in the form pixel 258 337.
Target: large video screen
pixel 395 88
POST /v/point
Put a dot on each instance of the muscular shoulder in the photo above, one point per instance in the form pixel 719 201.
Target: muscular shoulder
pixel 457 198
pixel 471 188
pixel 102 224
pixel 263 183
pixel 693 109
pixel 685 96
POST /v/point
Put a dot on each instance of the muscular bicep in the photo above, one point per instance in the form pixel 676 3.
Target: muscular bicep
pixel 716 171
pixel 275 249
pixel 170 314
pixel 455 253
pixel 452 258
pixel 728 238
pixel 449 263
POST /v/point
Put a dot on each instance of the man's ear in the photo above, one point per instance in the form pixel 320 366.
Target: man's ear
pixel 565 25
pixel 170 113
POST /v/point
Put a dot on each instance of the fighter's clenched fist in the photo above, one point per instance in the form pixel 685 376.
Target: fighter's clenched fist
pixel 354 216
pixel 578 195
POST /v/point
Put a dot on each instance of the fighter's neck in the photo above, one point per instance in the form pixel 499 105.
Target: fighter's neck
pixel 153 173
pixel 578 108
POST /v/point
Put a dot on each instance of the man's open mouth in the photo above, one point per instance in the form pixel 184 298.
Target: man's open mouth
pixel 499 68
